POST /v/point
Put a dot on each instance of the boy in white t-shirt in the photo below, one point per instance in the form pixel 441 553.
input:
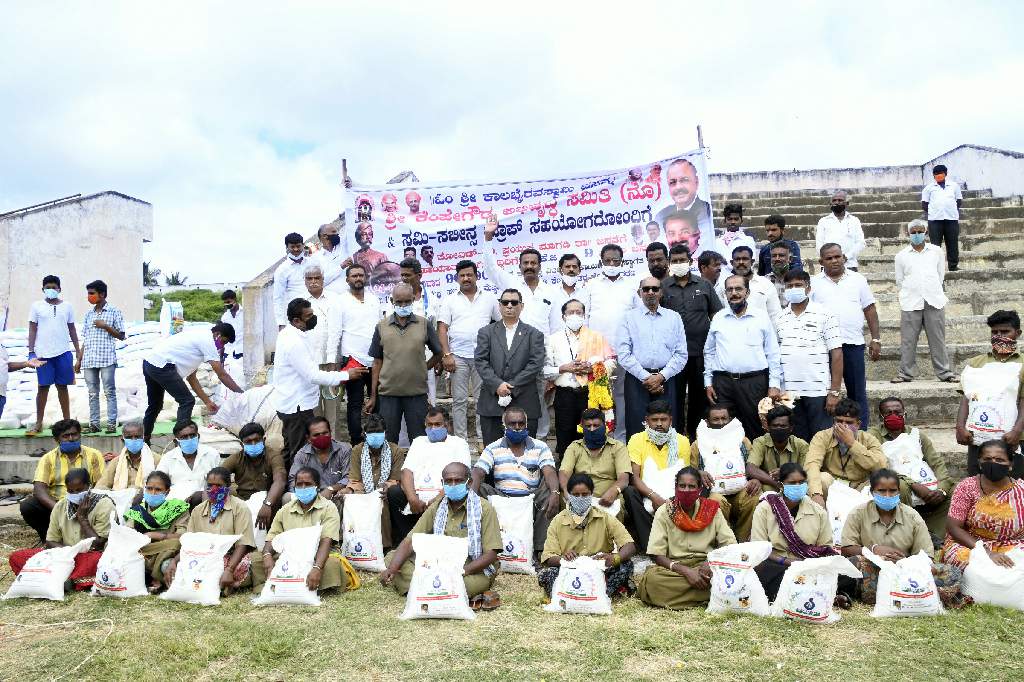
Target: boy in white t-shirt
pixel 51 328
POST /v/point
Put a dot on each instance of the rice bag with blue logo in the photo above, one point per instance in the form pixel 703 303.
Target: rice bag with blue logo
pixel 735 588
pixel 515 517
pixel 905 587
pixel 121 571
pixel 809 588
pixel 437 588
pixel 286 584
pixel 580 588
pixel 360 531
pixel 200 565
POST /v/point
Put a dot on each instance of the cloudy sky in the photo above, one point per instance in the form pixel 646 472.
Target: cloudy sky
pixel 233 118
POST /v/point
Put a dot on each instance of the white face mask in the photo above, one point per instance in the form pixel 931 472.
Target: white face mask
pixel 611 270
pixel 679 269
pixel 570 280
pixel 795 296
pixel 574 322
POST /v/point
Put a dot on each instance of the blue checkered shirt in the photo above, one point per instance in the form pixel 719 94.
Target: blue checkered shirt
pixel 99 345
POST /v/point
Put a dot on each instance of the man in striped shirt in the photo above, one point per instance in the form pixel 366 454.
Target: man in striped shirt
pixel 811 354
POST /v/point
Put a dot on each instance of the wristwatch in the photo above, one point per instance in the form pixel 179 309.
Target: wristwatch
pixel 834 393
pixel 876 340
pixel 266 503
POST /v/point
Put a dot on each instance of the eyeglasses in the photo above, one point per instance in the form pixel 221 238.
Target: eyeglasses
pixel 649 290
pixel 509 304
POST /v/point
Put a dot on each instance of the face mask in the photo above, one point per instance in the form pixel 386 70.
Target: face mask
pixel 886 503
pixel 794 492
pixel 595 438
pixel 436 435
pixel 321 442
pixel 1003 345
pixel 917 238
pixel 940 177
pixel 516 436
pixel 216 493
pixel 77 498
pixel 403 310
pixel 504 400
pixel 154 500
pixel 93 299
pixel 228 306
pixel 375 440
pixel 253 449
pixel 659 438
pixel 611 270
pixel 838 209
pixel 687 498
pixel 779 435
pixel 574 322
pixel 134 445
pixel 679 269
pixel 218 344
pixel 579 505
pixel 894 422
pixel 305 495
pixel 457 492
pixel 737 306
pixel 795 295
pixel 780 268
pixel 189 445
pixel 570 280
pixel 310 323
pixel 70 446
pixel 334 239
pixel 994 471
pixel 51 294
pixel 296 259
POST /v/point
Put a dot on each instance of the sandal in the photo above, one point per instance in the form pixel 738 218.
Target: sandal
pixel 952 379
pixel 490 600
pixel 843 601
pixel 899 380
pixel 32 433
pixel 476 603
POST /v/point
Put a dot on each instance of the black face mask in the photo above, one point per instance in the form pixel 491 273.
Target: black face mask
pixel 334 239
pixel 311 322
pixel 779 435
pixel 838 209
pixel 229 306
pixel 994 471
pixel 737 306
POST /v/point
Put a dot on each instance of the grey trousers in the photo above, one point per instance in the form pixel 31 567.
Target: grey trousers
pixel 540 518
pixel 933 320
pixel 544 422
pixel 465 382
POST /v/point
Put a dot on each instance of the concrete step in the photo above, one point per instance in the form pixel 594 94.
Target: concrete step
pixel 929 403
pixel 876 192
pixel 888 365
pixel 960 304
pixel 967 329
pixel 981 244
pixel 969 260
pixel 900 216
pixel 16 454
pixel 1010 280
pixel 797 205
pixel 802 228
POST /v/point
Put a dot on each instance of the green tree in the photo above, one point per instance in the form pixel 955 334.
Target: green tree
pixel 200 305
pixel 150 275
pixel 175 279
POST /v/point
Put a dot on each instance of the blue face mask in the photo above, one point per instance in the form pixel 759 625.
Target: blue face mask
pixel 794 492
pixel 70 446
pixel 436 435
pixel 134 445
pixel 253 449
pixel 917 238
pixel 456 493
pixel 886 503
pixel 375 440
pixel 305 495
pixel 403 310
pixel 51 294
pixel 77 498
pixel 154 500
pixel 189 445
pixel 596 438
pixel 516 436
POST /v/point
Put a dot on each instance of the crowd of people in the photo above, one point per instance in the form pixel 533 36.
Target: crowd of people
pixel 625 376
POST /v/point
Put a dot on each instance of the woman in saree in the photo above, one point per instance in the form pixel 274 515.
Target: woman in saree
pixel 163 520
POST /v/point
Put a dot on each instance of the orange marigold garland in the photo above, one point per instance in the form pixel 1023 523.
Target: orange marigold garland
pixel 600 395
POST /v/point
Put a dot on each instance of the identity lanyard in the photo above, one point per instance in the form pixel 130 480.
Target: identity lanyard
pixel 568 343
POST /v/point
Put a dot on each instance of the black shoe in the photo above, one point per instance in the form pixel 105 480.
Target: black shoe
pixel 111 428
pixel 952 268
pixel 91 428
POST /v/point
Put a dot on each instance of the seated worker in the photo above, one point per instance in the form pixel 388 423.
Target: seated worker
pixel 604 459
pixel 987 507
pixel 581 529
pixel 459 513
pixel 257 469
pixel 776 447
pixel 738 508
pixel 893 531
pixel 376 465
pixel 48 482
pixel 223 514
pixel 796 526
pixel 517 466
pixel 843 453
pixel 893 417
pixel 133 464
pixel 163 520
pixel 685 529
pixel 307 508
pixel 331 458
pixel 427 456
pixel 77 515
pixel 664 447
pixel 188 463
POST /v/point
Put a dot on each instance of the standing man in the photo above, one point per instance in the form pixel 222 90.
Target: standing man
pixel 233 352
pixel 102 328
pixel 509 359
pixel 657 260
pixel 332 257
pixel 360 313
pixel 462 316
pixel 734 236
pixel 398 382
pixel 609 295
pixel 652 350
pixel 811 354
pixel 298 377
pixel 774 227
pixel 920 270
pixel 411 271
pixel 780 262
pixel 325 338
pixel 709 264
pixel 289 282
pixel 842 228
pixel 172 363
pixel 51 328
pixel 846 293
pixel 762 294
pixel 568 288
pixel 741 358
pixel 696 302
pixel 940 201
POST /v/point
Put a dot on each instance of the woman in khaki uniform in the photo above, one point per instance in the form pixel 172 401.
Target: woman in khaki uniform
pixel 685 529
pixel 163 521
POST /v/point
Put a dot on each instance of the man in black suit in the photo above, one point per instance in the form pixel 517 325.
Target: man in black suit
pixel 509 358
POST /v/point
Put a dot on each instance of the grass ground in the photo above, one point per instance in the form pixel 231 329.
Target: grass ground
pixel 358 636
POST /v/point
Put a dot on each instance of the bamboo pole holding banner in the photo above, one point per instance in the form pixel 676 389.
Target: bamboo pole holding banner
pixel 700 137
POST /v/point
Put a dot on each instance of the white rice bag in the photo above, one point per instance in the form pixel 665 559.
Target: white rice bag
pixel 122 499
pixel 44 574
pixel 906 587
pixel 121 571
pixel 437 589
pixel 841 500
pixel 361 541
pixel 907 458
pixel 515 517
pixel 580 588
pixel 720 450
pixel 427 482
pixel 286 584
pixel 988 583
pixel 735 588
pixel 255 503
pixel 200 565
pixel 661 481
pixel 809 588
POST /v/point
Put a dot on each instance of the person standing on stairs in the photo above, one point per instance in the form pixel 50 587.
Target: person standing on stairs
pixel 940 201
pixel 842 228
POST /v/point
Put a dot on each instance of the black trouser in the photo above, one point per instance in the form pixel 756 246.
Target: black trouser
pixel 1016 460
pixel 948 230
pixel 356 391
pixel 638 519
pixel 742 392
pixel 36 515
pixel 159 380
pixel 492 428
pixel 393 408
pixel 638 398
pixel 294 430
pixel 690 391
pixel 809 417
pixel 401 523
pixel 569 405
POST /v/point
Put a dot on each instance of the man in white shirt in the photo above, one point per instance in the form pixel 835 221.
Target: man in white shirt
pixel 360 313
pixel 733 236
pixel 188 463
pixel 461 317
pixel 233 352
pixel 569 287
pixel 941 202
pixel 289 277
pixel 840 227
pixel 333 256
pixel 325 338
pixel 920 269
pixel 811 355
pixel 762 294
pixel 51 329
pixel 298 377
pixel 847 294
pixel 173 362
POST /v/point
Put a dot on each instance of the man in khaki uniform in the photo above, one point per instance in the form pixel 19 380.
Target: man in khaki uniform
pixel 843 453
pixel 738 508
pixel 604 459
pixel 258 469
pixel 769 452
